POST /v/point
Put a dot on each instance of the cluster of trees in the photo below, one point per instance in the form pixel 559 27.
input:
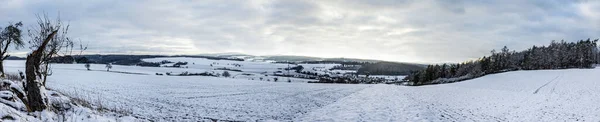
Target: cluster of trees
pixel 557 55
pixel 149 64
pixel 69 59
pixel 350 80
pixel 346 67
pixel 297 68
pixel 228 69
pixel 153 64
pixel 388 68
pixel 178 64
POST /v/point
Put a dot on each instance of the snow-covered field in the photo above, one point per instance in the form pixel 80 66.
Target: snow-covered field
pixel 253 70
pixel 549 95
pixel 191 98
pixel 545 95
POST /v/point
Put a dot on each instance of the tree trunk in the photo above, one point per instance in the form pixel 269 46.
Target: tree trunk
pixel 34 95
pixel 4 57
pixel 2 69
pixel 35 99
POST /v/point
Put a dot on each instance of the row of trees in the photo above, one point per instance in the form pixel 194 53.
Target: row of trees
pixel 46 40
pixel 557 55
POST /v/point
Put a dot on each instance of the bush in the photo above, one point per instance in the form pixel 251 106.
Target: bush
pixel 226 74
pixel 13 77
pixel 149 64
pixel 87 66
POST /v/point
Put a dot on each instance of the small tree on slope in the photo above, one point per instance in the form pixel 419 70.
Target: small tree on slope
pixel 87 66
pixel 108 67
pixel 226 74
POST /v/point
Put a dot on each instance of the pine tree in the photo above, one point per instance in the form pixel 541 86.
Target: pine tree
pixel 557 55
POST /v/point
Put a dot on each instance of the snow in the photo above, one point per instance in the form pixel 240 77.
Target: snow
pixel 182 98
pixel 562 95
pixel 205 64
pixel 193 98
pixel 62 109
pixel 543 95
pixel 255 69
pixel 17 116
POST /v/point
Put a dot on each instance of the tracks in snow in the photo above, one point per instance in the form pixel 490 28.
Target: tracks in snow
pixel 553 80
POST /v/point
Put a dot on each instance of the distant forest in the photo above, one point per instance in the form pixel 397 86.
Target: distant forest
pixel 557 55
pixel 125 59
pixel 389 68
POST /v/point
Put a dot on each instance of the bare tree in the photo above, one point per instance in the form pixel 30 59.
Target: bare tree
pixel 81 49
pixel 10 36
pixel 108 66
pixel 87 66
pixel 46 40
pixel 226 74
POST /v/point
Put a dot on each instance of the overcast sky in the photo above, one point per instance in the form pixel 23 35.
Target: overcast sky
pixel 423 31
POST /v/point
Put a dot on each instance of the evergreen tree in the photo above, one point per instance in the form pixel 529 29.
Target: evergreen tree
pixel 557 55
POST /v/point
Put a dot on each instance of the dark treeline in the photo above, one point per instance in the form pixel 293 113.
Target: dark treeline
pixel 557 55
pixel 389 68
pixel 124 59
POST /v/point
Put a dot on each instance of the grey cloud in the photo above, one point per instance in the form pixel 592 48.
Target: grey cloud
pixel 426 31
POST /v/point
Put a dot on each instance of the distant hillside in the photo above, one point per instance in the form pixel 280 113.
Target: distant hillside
pixel 308 58
pixel 352 59
pixel 282 58
pixel 373 67
pixel 124 59
pixel 288 58
pixel 225 55
pixel 389 68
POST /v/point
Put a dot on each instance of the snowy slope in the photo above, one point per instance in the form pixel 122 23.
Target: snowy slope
pixel 551 95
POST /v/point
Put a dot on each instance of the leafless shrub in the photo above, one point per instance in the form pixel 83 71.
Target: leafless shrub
pixel 13 77
pixel 97 103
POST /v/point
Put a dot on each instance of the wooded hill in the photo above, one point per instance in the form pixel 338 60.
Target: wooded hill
pixel 557 55
pixel 389 68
